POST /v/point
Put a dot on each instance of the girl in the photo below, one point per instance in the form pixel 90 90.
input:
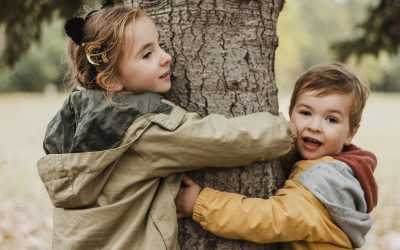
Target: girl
pixel 115 148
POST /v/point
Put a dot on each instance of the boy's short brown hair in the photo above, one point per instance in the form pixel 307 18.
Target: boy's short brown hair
pixel 333 78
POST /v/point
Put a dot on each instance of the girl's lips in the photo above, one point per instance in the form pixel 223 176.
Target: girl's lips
pixel 166 75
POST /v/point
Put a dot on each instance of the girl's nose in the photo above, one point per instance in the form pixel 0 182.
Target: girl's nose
pixel 166 58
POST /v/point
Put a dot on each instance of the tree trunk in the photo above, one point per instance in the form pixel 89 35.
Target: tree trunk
pixel 224 52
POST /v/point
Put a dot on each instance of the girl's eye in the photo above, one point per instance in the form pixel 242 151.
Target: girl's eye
pixel 332 119
pixel 147 55
pixel 305 113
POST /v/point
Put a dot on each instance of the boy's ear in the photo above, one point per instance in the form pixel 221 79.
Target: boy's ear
pixel 351 134
pixel 113 85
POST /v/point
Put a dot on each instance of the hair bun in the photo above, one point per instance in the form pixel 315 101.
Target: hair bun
pixel 74 29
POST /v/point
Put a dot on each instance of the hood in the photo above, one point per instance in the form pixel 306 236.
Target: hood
pixel 363 164
pixel 82 143
pixel 88 121
pixel 76 180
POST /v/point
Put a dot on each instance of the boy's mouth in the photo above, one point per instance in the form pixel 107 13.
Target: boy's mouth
pixel 311 142
pixel 165 75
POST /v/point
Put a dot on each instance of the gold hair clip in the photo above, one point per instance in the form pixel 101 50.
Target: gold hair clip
pixel 95 54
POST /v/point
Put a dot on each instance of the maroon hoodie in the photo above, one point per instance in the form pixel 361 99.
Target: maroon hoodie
pixel 363 164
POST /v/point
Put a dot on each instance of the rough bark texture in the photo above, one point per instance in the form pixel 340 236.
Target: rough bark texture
pixel 224 53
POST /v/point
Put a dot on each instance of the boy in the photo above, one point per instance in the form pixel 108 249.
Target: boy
pixel 326 200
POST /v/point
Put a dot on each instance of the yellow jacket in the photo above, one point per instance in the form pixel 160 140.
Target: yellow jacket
pixel 320 206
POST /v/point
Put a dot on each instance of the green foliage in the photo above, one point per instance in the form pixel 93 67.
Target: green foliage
pixel 32 41
pixel 23 20
pixel 306 30
pixel 380 31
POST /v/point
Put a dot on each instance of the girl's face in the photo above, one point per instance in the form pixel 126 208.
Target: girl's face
pixel 144 66
pixel 322 124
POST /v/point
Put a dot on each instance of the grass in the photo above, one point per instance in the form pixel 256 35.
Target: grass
pixel 26 212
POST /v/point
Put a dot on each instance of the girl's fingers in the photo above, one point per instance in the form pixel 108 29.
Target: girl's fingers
pixel 180 215
pixel 187 180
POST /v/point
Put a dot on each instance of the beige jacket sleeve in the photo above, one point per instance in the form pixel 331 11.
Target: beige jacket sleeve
pixel 293 214
pixel 192 142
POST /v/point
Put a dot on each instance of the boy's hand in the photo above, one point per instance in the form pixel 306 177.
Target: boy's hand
pixel 186 197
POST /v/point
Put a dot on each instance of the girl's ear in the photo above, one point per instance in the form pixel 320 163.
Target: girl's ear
pixel 351 134
pixel 113 84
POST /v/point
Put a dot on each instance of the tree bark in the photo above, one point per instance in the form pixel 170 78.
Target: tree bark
pixel 223 62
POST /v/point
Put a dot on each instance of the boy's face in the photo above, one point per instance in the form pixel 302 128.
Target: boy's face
pixel 322 124
pixel 145 66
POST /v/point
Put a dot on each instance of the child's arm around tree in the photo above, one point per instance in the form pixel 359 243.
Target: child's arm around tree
pixel 322 203
pixel 183 141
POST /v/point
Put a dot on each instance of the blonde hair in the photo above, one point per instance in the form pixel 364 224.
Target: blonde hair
pixel 103 35
pixel 333 78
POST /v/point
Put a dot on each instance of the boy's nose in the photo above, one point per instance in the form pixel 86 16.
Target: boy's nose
pixel 314 125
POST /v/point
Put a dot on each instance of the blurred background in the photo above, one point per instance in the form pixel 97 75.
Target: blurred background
pixel 364 34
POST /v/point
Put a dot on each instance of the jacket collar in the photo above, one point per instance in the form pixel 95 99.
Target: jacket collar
pixel 363 164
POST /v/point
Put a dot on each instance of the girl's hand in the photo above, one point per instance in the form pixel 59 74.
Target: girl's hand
pixel 186 197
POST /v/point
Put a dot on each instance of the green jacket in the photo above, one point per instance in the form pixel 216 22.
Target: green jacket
pixel 112 171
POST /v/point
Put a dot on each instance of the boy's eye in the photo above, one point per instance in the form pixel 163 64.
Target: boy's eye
pixel 332 119
pixel 147 55
pixel 306 113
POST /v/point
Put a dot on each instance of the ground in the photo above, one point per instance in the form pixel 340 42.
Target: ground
pixel 26 212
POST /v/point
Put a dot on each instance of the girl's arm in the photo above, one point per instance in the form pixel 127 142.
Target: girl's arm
pixel 185 141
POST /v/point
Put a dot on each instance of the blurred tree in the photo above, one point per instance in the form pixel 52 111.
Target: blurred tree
pixel 380 31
